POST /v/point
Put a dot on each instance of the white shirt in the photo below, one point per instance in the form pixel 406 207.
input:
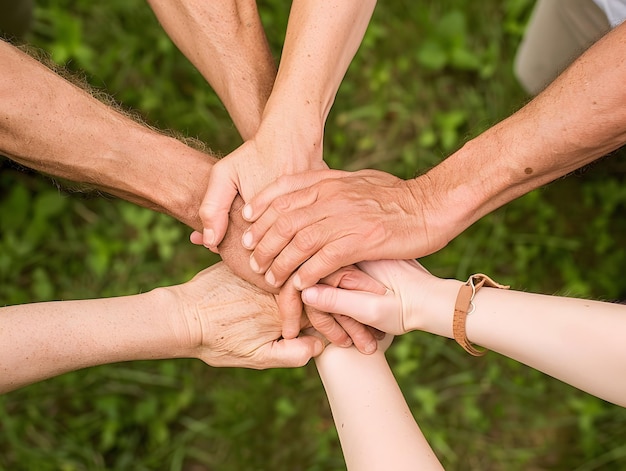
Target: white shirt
pixel 615 10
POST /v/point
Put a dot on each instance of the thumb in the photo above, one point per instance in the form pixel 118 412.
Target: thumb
pixel 222 189
pixel 294 352
pixel 360 305
pixel 290 309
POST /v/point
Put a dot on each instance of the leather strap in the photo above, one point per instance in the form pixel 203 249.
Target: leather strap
pixel 465 305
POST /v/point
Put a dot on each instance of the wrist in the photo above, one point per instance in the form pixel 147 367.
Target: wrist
pixel 181 321
pixel 433 217
pixel 459 191
pixel 173 181
pixel 435 311
pixel 302 135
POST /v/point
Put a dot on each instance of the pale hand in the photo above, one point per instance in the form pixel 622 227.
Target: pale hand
pixel 412 299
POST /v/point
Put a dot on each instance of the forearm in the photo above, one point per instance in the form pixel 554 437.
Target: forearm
pixel 50 125
pixel 580 117
pixel 375 425
pixel 227 44
pixel 43 340
pixel 577 341
pixel 321 40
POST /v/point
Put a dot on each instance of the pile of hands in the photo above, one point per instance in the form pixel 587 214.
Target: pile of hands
pixel 333 247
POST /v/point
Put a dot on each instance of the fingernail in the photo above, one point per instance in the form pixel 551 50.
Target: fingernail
pixel 246 212
pixel 270 278
pixel 309 296
pixel 371 347
pixel 209 238
pixel 347 343
pixel 254 265
pixel 246 240
pixel 297 282
pixel 379 334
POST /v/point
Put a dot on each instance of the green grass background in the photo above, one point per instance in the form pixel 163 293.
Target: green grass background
pixel 429 76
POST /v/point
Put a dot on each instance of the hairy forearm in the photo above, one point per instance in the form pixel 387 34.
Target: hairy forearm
pixel 580 117
pixel 43 340
pixel 227 44
pixel 375 425
pixel 53 126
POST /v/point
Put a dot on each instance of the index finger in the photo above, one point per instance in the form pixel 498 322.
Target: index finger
pixel 283 185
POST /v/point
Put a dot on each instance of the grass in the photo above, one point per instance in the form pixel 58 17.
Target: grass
pixel 425 80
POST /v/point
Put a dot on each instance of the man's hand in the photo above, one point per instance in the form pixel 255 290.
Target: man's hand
pixel 324 220
pixel 250 168
pixel 343 332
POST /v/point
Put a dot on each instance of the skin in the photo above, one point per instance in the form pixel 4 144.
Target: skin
pixel 309 225
pixel 132 161
pixel 290 132
pixel 577 341
pixel 374 423
pixel 283 130
pixel 226 42
pixel 216 317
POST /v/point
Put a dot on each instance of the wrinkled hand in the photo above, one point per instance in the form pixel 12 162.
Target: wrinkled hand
pixel 274 151
pixel 234 323
pixel 413 296
pixel 323 220
pixel 288 298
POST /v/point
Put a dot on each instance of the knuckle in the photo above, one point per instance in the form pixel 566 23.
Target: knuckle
pixel 336 251
pixel 322 321
pixel 334 256
pixel 307 241
pixel 328 297
pixel 207 211
pixel 282 267
pixel 285 227
pixel 282 204
pixel 263 252
pixel 301 357
pixel 283 182
pixel 327 326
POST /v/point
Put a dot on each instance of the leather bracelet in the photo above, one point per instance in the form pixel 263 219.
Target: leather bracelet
pixel 464 306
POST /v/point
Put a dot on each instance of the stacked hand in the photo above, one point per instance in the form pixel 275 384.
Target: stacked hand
pixel 414 299
pixel 250 168
pixel 317 222
pixel 246 171
pixel 225 321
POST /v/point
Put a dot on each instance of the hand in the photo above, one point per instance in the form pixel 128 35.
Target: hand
pixel 229 322
pixel 340 330
pixel 276 150
pixel 323 220
pixel 340 326
pixel 414 299
pixel 343 333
